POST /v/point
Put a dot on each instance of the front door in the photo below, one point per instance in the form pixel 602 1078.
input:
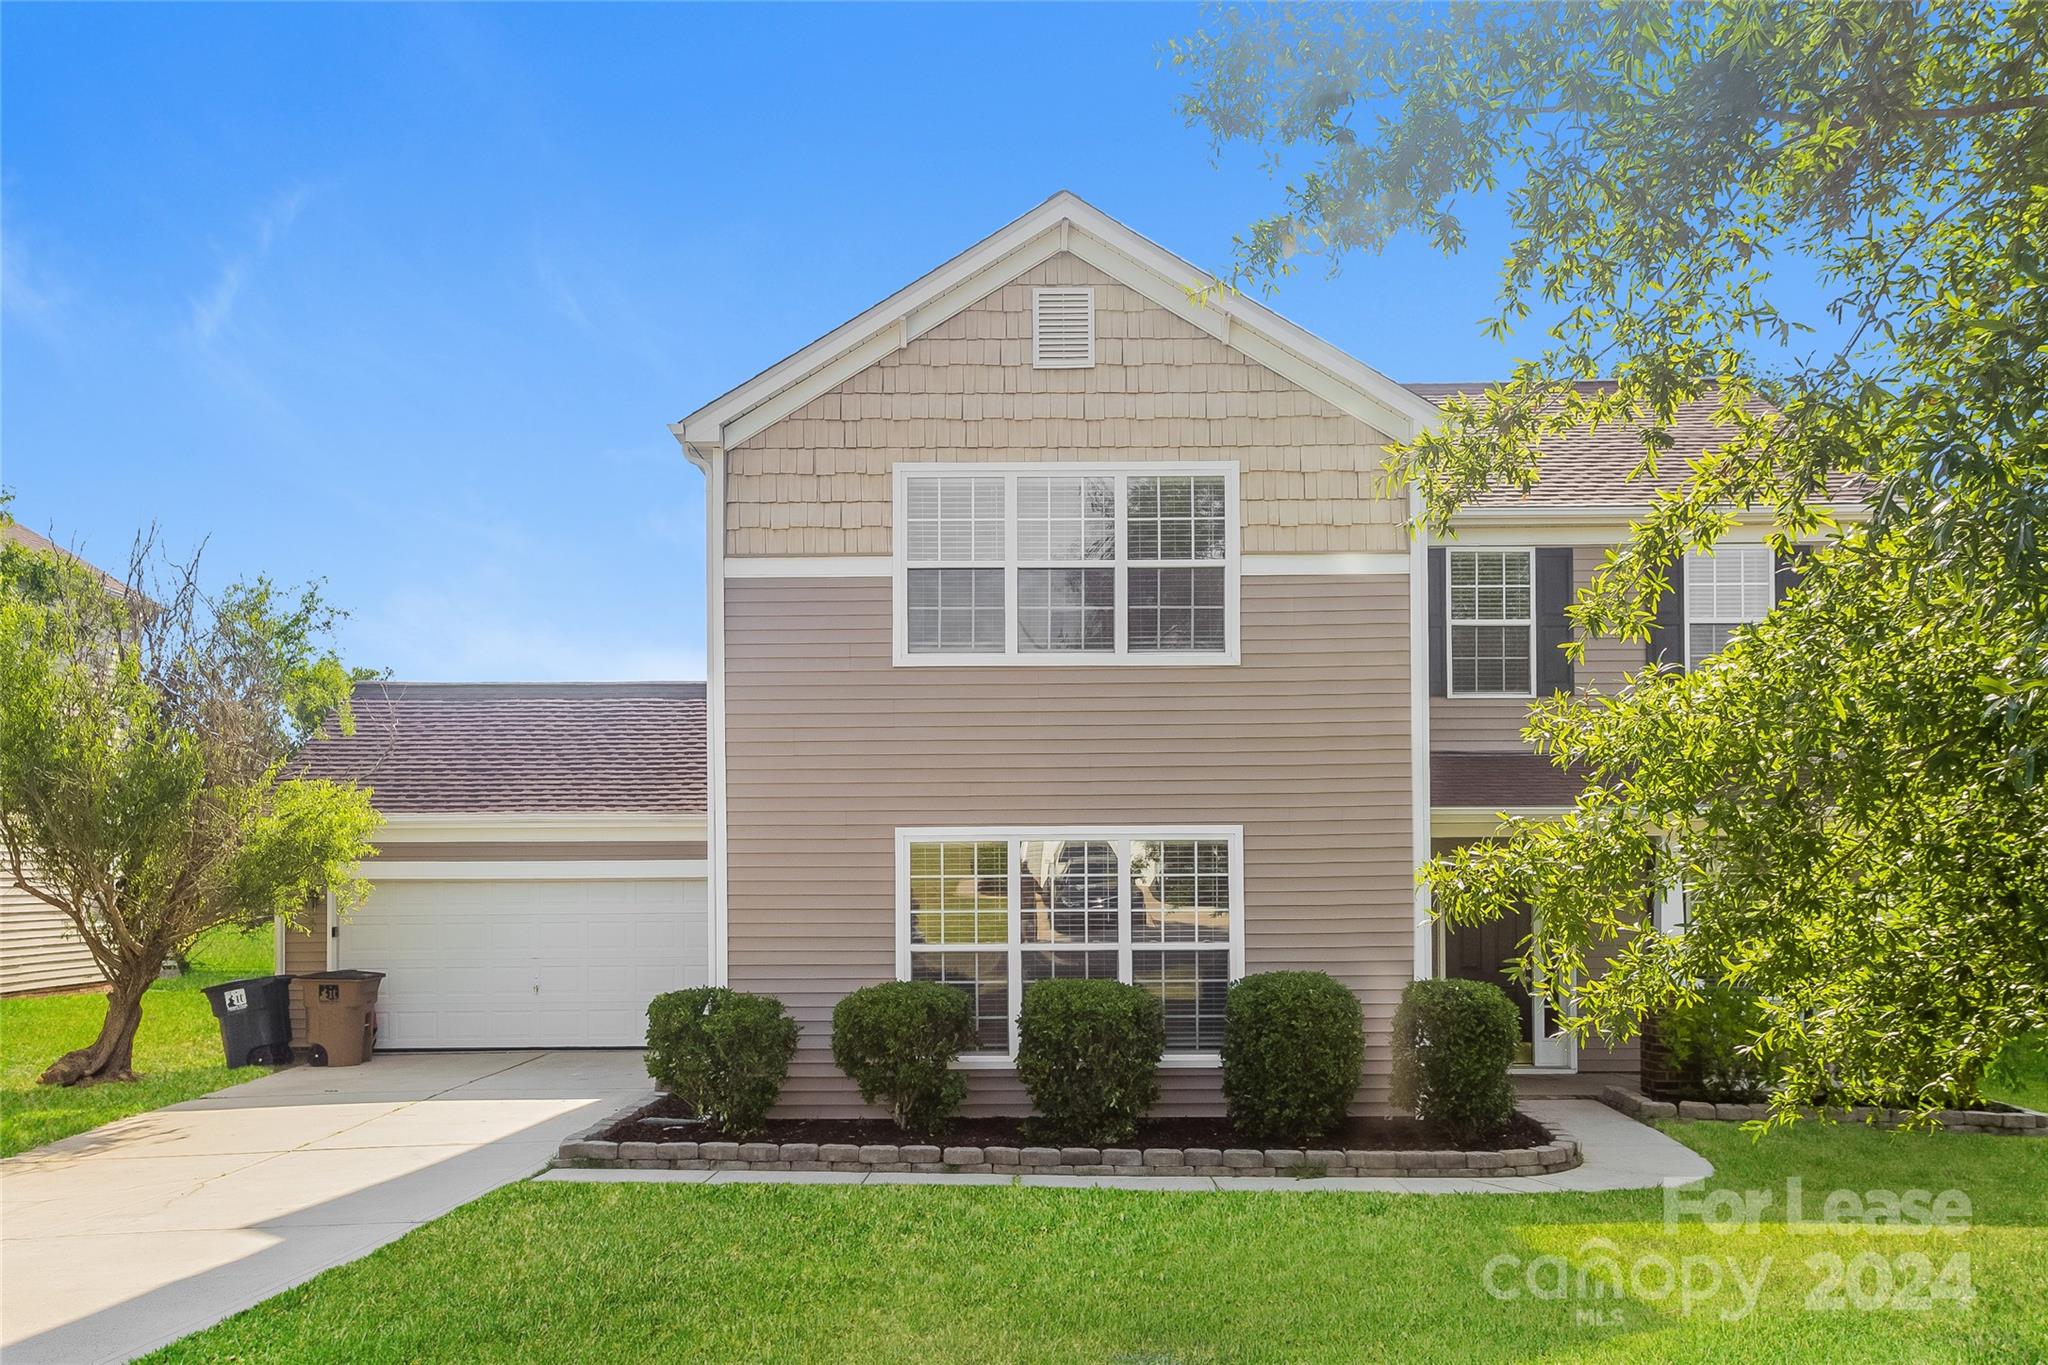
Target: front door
pixel 1483 952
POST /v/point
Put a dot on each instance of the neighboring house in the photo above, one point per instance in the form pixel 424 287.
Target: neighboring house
pixel 541 871
pixel 1059 626
pixel 41 950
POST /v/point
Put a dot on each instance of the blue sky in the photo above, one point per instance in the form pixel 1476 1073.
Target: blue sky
pixel 404 298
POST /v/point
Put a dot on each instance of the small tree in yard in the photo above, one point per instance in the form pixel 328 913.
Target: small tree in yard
pixel 1854 795
pixel 144 736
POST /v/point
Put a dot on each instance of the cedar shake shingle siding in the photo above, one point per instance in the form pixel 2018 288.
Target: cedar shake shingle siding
pixel 818 482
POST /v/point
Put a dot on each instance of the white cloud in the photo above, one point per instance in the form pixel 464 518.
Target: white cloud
pixel 213 312
pixel 29 293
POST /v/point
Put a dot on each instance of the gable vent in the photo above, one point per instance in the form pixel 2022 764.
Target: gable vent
pixel 1062 329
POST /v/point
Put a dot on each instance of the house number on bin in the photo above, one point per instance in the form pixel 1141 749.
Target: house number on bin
pixel 238 1000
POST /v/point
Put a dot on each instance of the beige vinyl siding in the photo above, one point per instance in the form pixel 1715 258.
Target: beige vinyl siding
pixel 40 948
pixel 818 481
pixel 305 950
pixel 829 750
pixel 1494 724
pixel 1608 660
pixel 541 851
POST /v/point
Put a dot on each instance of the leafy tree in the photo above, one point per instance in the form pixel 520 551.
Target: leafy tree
pixel 144 736
pixel 1851 795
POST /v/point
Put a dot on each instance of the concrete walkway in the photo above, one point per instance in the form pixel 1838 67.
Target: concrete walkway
pixel 117 1241
pixel 1618 1154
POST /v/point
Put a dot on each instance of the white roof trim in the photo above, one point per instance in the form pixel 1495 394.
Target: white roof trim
pixel 1062 223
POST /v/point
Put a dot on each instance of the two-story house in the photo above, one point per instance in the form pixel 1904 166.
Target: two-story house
pixel 1060 626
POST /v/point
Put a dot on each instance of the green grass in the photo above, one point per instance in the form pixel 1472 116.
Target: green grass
pixel 177 1050
pixel 542 1272
pixel 2024 1082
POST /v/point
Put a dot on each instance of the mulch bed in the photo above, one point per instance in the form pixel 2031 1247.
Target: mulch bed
pixel 1358 1134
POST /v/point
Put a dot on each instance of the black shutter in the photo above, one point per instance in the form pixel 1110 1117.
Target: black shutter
pixel 1553 628
pixel 1667 632
pixel 1790 564
pixel 1438 637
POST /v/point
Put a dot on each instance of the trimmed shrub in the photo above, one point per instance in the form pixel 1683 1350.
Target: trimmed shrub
pixel 898 1041
pixel 1293 1043
pixel 1711 1045
pixel 1453 1044
pixel 1088 1051
pixel 722 1052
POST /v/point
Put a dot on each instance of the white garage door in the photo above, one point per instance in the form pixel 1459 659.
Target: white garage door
pixel 525 963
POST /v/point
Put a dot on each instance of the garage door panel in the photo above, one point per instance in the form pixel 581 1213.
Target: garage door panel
pixel 526 964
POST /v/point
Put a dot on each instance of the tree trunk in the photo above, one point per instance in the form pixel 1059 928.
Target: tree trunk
pixel 111 1057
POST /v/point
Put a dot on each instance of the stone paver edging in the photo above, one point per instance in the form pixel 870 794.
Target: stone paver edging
pixel 2017 1123
pixel 590 1150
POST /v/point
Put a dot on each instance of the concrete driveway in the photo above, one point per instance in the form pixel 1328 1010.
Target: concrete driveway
pixel 117 1241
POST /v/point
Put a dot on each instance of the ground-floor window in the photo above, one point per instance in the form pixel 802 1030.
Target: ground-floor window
pixel 991 912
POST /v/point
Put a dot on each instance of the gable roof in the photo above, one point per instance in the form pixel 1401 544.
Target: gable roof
pixel 1062 223
pixel 520 748
pixel 1590 468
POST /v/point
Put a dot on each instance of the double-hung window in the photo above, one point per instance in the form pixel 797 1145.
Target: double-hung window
pixel 1732 587
pixel 1492 623
pixel 1065 563
pixel 992 913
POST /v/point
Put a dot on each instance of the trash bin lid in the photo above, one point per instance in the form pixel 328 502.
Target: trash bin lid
pixel 341 974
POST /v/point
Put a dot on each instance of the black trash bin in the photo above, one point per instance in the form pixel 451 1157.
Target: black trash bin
pixel 255 1020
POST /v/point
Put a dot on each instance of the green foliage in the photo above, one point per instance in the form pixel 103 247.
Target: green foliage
pixel 1293 1043
pixel 177 1047
pixel 1453 1044
pixel 898 1041
pixel 144 738
pixel 1712 1043
pixel 1088 1051
pixel 722 1052
pixel 1853 794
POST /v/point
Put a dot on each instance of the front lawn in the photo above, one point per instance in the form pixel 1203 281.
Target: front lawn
pixel 791 1272
pixel 177 1050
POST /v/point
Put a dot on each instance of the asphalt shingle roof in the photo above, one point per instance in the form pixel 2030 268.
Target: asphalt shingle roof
pixel 1592 468
pixel 506 748
pixel 1497 781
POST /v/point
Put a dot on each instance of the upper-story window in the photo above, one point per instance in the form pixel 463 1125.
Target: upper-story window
pixel 1492 623
pixel 1059 563
pixel 1734 586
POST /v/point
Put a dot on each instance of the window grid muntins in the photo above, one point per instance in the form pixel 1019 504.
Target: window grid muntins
pixel 1725 590
pixel 1180 520
pixel 953 523
pixel 1157 912
pixel 1492 622
pixel 1096 565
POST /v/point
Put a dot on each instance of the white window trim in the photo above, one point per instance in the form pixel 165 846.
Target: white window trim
pixel 1693 557
pixel 1088 292
pixel 1121 836
pixel 1451 622
pixel 1232 566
